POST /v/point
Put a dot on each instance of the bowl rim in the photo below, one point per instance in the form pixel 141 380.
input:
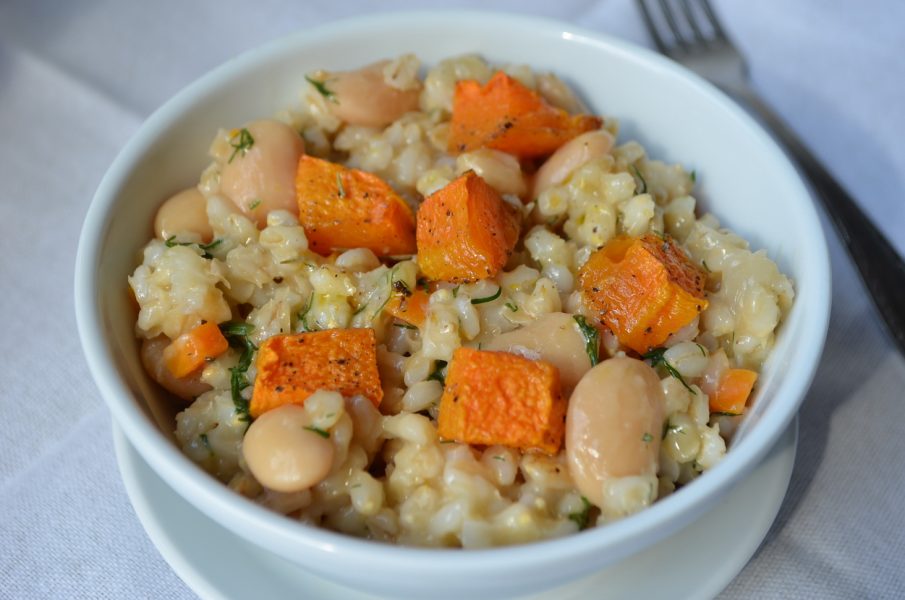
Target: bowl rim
pixel 230 508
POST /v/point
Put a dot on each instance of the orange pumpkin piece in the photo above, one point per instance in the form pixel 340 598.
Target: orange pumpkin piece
pixel 292 367
pixel 507 116
pixel 342 208
pixel 502 398
pixel 732 393
pixel 188 352
pixel 644 289
pixel 465 231
pixel 412 308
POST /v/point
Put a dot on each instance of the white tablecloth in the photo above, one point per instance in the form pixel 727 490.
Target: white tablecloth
pixel 78 78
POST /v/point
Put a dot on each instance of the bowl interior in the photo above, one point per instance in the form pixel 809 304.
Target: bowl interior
pixel 742 177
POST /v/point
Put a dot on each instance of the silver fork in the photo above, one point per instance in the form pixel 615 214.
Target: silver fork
pixel 690 33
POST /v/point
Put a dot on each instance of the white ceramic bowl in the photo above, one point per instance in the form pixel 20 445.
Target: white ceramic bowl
pixel 743 178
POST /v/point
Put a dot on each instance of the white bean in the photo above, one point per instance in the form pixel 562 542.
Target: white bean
pixel 261 178
pixel 553 337
pixel 187 388
pixel 500 170
pixel 282 454
pixel 613 425
pixel 569 157
pixel 181 213
pixel 364 97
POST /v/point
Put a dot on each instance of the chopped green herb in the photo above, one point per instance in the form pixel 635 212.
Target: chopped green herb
pixel 241 142
pixel 321 87
pixel 701 348
pixel 643 188
pixel 455 291
pixel 706 268
pixel 422 283
pixel 318 431
pixel 591 338
pixel 339 184
pixel 205 441
pixel 206 248
pixel 171 241
pixel 360 309
pixel 404 325
pixel 657 356
pixel 303 316
pixel 236 328
pixel 647 437
pixel 488 298
pixel 498 457
pixel 694 176
pixel 438 374
pixel 255 203
pixel 724 414
pixel 512 306
pixel 236 333
pixel 582 517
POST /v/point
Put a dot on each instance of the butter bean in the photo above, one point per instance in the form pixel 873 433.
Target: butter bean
pixel 262 177
pixel 613 425
pixel 282 454
pixel 185 212
pixel 364 97
pixel 553 337
pixel 569 157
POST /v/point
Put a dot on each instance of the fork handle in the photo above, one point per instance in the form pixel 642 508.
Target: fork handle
pixel 881 268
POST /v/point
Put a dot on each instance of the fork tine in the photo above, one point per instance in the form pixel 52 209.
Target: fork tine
pixel 714 21
pixel 673 24
pixel 693 22
pixel 652 28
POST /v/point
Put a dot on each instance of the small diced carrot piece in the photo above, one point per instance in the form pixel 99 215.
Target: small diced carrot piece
pixel 188 352
pixel 466 231
pixel 292 367
pixel 732 392
pixel 644 289
pixel 342 208
pixel 505 115
pixel 412 308
pixel 502 398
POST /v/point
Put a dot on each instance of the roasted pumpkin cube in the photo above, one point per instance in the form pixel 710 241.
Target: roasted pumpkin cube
pixel 507 116
pixel 342 208
pixel 292 367
pixel 502 398
pixel 466 231
pixel 644 289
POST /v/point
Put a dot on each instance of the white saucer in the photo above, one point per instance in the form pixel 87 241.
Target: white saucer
pixel 697 562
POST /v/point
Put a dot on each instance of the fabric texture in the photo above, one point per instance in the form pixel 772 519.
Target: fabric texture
pixel 77 79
